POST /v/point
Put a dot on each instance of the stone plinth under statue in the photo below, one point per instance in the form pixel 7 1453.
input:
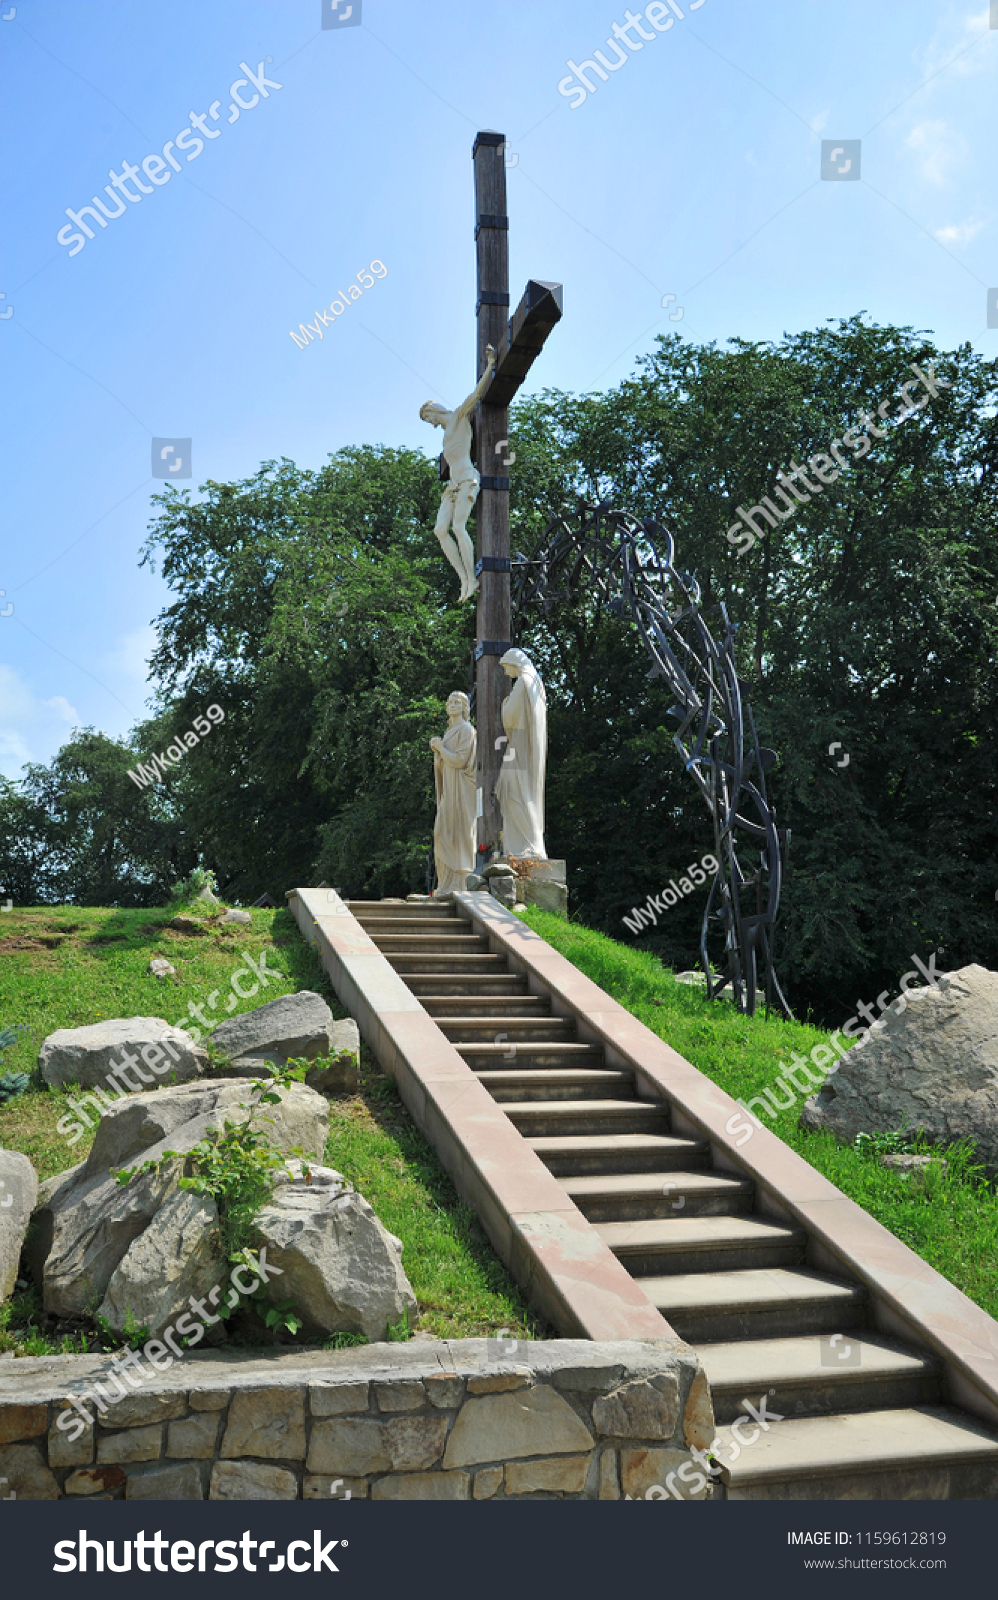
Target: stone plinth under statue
pixel 523 881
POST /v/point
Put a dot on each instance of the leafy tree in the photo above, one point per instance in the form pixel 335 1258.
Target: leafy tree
pixel 80 830
pixel 869 618
pixel 316 610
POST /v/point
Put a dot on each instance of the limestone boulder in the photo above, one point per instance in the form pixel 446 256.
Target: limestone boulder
pixel 339 1264
pixel 292 1025
pixel 87 1221
pixel 150 1049
pixel 18 1194
pixel 178 1255
pixel 933 1067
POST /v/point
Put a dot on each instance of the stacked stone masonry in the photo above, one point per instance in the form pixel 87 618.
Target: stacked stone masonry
pixel 468 1419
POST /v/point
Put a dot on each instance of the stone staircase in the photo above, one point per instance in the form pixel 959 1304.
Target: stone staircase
pixel 863 1415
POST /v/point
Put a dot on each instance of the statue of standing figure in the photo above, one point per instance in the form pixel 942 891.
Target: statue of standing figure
pixel 461 491
pixel 455 780
pixel 520 787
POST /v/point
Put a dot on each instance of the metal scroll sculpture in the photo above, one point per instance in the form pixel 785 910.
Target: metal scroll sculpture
pixel 630 566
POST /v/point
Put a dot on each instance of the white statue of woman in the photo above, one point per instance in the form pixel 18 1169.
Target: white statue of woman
pixel 454 776
pixel 520 789
pixel 462 488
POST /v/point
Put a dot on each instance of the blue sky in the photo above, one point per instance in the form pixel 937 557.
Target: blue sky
pixel 694 170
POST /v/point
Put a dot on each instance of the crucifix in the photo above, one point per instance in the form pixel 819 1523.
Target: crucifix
pixel 516 340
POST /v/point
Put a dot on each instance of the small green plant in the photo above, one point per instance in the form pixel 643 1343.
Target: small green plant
pixel 194 886
pixel 345 1341
pixel 398 1332
pixel 11 1084
pixel 879 1144
pixel 133 1332
pixel 281 1317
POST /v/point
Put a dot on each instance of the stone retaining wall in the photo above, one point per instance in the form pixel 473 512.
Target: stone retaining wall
pixel 469 1419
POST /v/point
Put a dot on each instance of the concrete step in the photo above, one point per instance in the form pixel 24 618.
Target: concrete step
pixel 425 985
pixel 702 1244
pixel 517 1030
pixel 432 963
pixel 916 1453
pixel 757 1303
pixel 820 1376
pixel 572 1155
pixel 554 1083
pixel 450 945
pixel 633 1196
pixel 436 927
pixel 368 911
pixel 571 1054
pixel 448 1007
pixel 535 1119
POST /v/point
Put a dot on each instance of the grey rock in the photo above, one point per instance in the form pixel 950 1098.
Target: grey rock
pixel 161 968
pixel 292 1025
pixel 934 1067
pixel 339 1264
pixel 178 1255
pixel 697 980
pixel 24 1475
pixel 249 1480
pixel 232 918
pixel 904 1161
pixel 546 895
pixel 474 881
pixel 87 1055
pixel 87 1221
pixel 497 869
pixel 266 1422
pixel 18 1195
pixel 342 1076
pixel 181 1482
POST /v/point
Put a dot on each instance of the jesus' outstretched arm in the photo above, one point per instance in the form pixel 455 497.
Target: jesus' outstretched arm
pixel 467 406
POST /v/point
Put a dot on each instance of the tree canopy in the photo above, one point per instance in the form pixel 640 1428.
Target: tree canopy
pixel 316 609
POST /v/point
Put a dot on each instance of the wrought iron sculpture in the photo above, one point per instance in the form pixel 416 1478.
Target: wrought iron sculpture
pixel 630 565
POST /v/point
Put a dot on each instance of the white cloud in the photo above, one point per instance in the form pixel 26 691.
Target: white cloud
pixel 61 705
pixel 960 233
pixel 947 54
pixel 938 147
pixel 31 729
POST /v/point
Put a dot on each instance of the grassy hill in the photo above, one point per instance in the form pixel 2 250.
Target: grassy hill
pixel 64 967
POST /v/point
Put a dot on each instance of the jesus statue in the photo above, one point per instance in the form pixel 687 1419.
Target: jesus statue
pixel 461 491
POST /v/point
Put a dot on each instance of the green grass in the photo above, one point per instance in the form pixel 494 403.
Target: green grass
pixel 63 967
pixel 947 1216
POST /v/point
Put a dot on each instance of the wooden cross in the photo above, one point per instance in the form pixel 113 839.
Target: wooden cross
pixel 517 340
